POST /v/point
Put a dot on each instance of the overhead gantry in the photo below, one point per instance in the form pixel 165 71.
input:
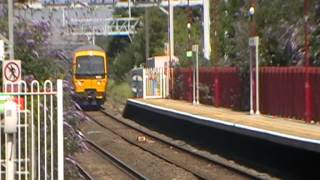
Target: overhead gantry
pixel 91 26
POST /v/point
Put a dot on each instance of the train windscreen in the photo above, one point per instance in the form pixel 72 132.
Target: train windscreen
pixel 90 66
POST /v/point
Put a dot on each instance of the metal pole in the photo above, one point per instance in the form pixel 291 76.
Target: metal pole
pixel 10 24
pixel 171 29
pixel 129 6
pixel 63 18
pixel 206 29
pixel 308 84
pixel 60 129
pixel 197 72
pixel 147 32
pixel 193 81
pixel 2 50
pixel 257 76
pixel 144 83
pixel 93 39
pixel 252 34
pixel 251 84
pixel 171 43
pixel 10 156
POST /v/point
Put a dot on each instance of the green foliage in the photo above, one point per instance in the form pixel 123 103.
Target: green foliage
pixel 233 34
pixel 124 55
pixel 315 40
pixel 119 91
pixel 30 48
pixel 182 43
pixel 279 24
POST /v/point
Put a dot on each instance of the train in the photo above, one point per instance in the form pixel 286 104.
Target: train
pixel 90 75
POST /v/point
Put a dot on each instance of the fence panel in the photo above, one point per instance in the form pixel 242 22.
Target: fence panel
pixel 216 84
pixel 155 83
pixel 282 89
pixel 315 80
pixel 35 151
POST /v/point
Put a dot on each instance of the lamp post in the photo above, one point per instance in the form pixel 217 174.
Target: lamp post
pixel 171 44
pixel 254 43
pixel 10 27
pixel 308 86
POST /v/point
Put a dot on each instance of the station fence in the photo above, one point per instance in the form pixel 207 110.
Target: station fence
pixel 282 89
pixel 35 150
pixel 218 86
pixel 150 82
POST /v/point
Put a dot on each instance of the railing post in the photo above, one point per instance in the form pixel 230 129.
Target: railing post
pixel 60 129
pixel 217 90
pixel 144 85
pixel 308 97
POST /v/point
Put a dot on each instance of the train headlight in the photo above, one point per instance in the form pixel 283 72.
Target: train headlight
pixel 98 83
pixel 79 83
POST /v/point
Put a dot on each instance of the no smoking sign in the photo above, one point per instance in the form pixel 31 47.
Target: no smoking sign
pixel 11 71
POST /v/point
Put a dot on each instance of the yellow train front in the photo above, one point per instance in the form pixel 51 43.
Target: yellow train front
pixel 90 75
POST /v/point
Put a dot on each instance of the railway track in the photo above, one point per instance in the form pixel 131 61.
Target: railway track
pixel 103 153
pixel 229 166
pixel 84 173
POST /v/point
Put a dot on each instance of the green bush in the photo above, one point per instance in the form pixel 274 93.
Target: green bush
pixel 119 91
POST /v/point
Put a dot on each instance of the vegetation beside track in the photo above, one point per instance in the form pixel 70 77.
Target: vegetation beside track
pixel 117 94
pixel 31 47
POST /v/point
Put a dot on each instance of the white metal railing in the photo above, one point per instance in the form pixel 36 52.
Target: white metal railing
pixel 163 3
pixel 155 83
pixel 37 146
pixel 134 3
pixel 103 26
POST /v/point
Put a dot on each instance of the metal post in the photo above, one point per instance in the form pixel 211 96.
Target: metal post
pixel 171 30
pixel 10 156
pixel 206 29
pixel 93 39
pixel 171 44
pixel 129 12
pixel 63 18
pixel 144 83
pixel 251 44
pixel 146 16
pixel 60 129
pixel 308 85
pixel 197 72
pixel 257 76
pixel 251 84
pixel 10 24
pixel 2 54
pixel 193 81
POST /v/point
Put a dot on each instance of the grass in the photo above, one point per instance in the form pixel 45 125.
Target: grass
pixel 119 91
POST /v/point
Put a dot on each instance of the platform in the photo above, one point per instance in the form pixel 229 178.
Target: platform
pixel 275 129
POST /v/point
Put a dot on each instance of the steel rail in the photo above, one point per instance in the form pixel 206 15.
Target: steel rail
pixel 124 167
pixel 151 152
pixel 236 168
pixel 83 172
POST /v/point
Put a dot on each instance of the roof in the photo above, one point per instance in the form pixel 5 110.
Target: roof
pixel 88 48
pixel 162 58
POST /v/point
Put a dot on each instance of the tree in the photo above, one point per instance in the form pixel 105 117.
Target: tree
pixel 315 40
pixel 279 26
pixel 181 33
pixel 126 55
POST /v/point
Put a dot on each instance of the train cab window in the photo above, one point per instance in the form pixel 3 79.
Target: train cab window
pixel 90 66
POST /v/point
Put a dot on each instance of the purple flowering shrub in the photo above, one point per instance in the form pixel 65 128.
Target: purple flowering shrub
pixel 74 142
pixel 40 63
pixel 31 47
